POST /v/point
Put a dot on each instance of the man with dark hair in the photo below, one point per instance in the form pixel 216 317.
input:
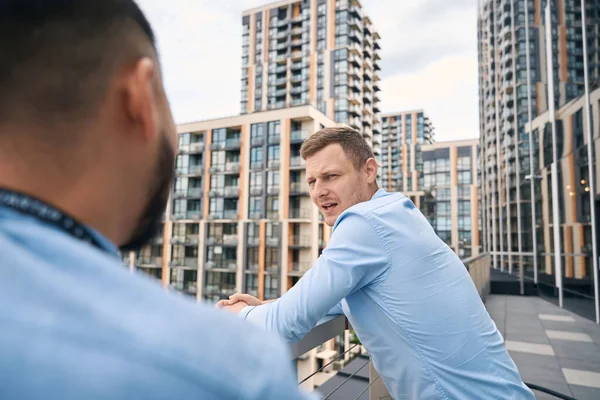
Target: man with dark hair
pixel 87 149
pixel 405 292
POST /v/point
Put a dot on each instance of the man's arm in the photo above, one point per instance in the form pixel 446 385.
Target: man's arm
pixel 355 257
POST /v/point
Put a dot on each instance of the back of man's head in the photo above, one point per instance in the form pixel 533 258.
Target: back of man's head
pixel 58 56
pixel 84 120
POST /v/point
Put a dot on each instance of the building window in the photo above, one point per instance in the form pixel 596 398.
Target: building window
pixel 465 178
pixel 256 157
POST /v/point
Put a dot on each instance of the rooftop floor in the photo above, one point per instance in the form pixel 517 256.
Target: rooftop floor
pixel 552 347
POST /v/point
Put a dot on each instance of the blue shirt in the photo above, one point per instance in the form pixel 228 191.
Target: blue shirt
pixel 76 324
pixel 411 302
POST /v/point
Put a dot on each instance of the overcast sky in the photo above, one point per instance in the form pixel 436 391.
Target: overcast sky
pixel 429 58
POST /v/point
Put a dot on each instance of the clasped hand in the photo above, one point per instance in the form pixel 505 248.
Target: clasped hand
pixel 237 302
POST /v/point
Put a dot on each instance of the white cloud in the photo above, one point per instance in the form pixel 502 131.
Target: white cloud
pixel 428 55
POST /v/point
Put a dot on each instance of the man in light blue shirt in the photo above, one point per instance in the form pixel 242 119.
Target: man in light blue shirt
pixel 87 148
pixel 409 298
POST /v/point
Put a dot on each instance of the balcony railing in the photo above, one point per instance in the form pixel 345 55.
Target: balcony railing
pixel 232 144
pixel 301 267
pixel 230 240
pixel 272 241
pixel 232 167
pixel 300 213
pixel 253 241
pixel 301 241
pixel 194 192
pixel 299 135
pixel 273 190
pixel 257 141
pixel 297 161
pixel 146 261
pixel 479 269
pixel 298 187
pixel 228 265
pixel 230 214
pixel 189 262
pixel 196 147
pixel 232 191
pixel 194 214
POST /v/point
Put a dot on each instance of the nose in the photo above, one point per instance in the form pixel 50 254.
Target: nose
pixel 320 189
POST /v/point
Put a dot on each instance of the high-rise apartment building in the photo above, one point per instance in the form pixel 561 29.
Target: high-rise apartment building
pixel 319 52
pixel 240 218
pixel 531 61
pixel 575 206
pixel 451 195
pixel 404 134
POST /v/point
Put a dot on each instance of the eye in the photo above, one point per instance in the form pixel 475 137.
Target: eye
pixel 311 182
pixel 331 176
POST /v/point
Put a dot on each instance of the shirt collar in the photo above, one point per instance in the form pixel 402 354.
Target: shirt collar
pixel 379 193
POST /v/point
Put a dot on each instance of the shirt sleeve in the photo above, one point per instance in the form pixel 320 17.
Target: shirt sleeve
pixel 353 259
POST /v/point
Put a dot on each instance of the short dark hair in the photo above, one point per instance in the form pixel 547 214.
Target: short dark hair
pixel 354 145
pixel 58 55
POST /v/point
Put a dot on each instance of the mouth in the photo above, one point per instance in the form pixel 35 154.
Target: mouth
pixel 329 207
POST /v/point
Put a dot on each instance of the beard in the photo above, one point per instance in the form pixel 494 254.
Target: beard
pixel 150 222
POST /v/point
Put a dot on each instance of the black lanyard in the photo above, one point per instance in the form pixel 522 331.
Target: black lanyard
pixel 36 208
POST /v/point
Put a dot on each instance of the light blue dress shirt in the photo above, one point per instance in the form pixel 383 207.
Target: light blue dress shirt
pixel 411 302
pixel 76 324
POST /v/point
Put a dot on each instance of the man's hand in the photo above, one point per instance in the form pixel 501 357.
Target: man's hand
pixel 234 308
pixel 239 297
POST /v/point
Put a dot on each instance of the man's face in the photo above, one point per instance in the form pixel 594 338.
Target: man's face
pixel 159 188
pixel 334 183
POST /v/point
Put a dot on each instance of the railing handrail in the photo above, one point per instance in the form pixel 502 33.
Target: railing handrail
pixel 331 327
pixel 473 259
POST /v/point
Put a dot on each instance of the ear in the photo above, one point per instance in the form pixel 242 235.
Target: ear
pixel 139 101
pixel 371 168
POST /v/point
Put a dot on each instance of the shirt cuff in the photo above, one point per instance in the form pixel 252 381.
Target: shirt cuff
pixel 245 311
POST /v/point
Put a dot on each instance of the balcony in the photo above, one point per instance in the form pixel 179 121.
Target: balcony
pixel 298 188
pixel 217 146
pixel 273 190
pixel 215 215
pixel 223 265
pixel 301 241
pixel 194 192
pixel 253 241
pixel 300 213
pixel 297 136
pixel 187 262
pixel 195 215
pixel 232 144
pixel 216 192
pixel 232 191
pixel 275 139
pixel 297 161
pixel 257 141
pixel 273 215
pixel 300 268
pixel 230 240
pixel 197 147
pixel 255 215
pixel 230 214
pixel 256 190
pixel 215 169
pixel 191 240
pixel 232 167
pixel 149 262
pixel 272 241
pixel 272 269
pixel 274 164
